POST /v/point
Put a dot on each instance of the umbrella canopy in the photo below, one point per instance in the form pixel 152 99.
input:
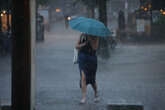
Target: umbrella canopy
pixel 89 26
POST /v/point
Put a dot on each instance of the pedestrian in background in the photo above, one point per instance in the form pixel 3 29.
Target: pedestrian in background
pixel 66 21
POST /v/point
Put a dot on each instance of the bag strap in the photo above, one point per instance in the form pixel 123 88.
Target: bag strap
pixel 83 38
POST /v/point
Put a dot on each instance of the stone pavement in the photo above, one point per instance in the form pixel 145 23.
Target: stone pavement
pixel 5 79
pixel 134 74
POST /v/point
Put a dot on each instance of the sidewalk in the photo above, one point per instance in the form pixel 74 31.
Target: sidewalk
pixel 5 80
pixel 133 74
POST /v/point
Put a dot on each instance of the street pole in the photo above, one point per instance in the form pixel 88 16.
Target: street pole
pixel 23 45
pixel 0 21
pixel 8 24
pixel 103 11
pixel 103 42
pixel 126 12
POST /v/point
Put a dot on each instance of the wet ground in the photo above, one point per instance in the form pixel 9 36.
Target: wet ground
pixel 134 74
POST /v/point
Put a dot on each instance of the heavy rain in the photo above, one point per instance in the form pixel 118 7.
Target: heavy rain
pixel 130 56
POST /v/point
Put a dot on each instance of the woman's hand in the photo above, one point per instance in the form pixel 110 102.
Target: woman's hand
pixel 78 46
pixel 83 44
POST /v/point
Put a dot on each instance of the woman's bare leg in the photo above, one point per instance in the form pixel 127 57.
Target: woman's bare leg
pixel 94 86
pixel 96 99
pixel 83 88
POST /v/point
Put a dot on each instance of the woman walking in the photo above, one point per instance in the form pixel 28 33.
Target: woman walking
pixel 87 46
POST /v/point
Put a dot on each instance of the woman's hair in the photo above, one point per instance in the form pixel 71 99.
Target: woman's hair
pixel 87 35
pixel 91 36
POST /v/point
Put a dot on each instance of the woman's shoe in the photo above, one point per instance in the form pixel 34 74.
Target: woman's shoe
pixel 96 99
pixel 82 101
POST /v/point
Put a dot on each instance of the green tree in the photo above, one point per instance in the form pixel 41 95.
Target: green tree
pixel 161 20
pixel 90 4
pixel 43 2
pixel 101 4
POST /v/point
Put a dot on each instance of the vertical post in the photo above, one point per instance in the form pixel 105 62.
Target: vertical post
pixel 103 11
pixel 126 12
pixel 103 42
pixel 23 30
pixel 0 23
pixel 8 26
pixel 33 40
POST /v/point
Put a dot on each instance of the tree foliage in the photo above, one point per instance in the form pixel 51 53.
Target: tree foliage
pixel 158 4
pixel 161 20
pixel 5 4
pixel 42 2
pixel 45 2
pixel 89 3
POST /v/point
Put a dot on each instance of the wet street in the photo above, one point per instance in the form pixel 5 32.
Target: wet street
pixel 134 74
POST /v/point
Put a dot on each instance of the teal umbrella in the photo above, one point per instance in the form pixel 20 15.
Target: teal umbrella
pixel 89 26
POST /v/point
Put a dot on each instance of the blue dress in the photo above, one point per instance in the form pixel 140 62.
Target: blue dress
pixel 87 61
